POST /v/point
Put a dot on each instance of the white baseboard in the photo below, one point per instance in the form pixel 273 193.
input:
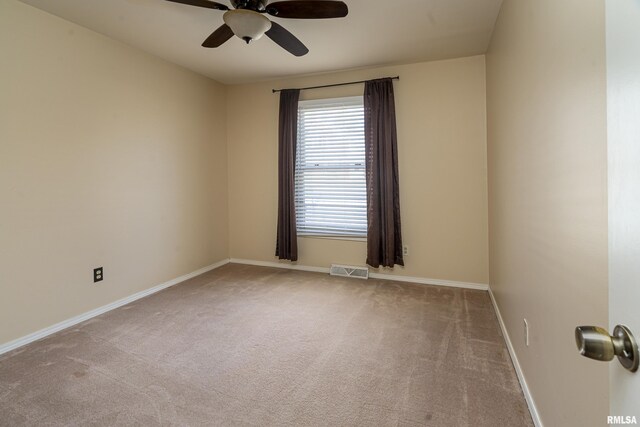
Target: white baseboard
pixel 12 345
pixel 516 364
pixel 434 282
pixel 419 280
pixel 283 264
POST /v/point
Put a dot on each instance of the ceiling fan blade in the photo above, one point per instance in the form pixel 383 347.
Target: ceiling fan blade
pixel 286 40
pixel 202 3
pixel 218 37
pixel 308 9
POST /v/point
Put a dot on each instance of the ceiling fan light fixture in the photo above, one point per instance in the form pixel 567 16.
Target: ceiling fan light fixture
pixel 247 24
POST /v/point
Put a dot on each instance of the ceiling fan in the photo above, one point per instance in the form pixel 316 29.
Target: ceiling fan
pixel 247 21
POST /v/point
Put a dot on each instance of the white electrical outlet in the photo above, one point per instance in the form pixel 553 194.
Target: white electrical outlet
pixel 405 250
pixel 526 332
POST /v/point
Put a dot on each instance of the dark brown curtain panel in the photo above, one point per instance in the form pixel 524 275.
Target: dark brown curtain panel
pixel 287 239
pixel 384 238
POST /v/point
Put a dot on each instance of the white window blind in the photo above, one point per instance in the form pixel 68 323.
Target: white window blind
pixel 331 197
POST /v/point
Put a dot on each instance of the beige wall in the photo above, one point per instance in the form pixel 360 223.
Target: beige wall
pixel 442 160
pixel 546 106
pixel 108 157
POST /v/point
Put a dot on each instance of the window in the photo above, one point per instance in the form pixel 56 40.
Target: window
pixel 331 198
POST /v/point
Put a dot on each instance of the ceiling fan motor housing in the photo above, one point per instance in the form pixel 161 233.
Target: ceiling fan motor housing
pixel 249 4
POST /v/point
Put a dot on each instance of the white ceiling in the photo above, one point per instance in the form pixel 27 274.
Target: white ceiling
pixel 376 32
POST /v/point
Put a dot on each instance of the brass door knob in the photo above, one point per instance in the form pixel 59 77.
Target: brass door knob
pixel 595 343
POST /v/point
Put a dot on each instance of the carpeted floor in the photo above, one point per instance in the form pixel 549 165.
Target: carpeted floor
pixel 255 346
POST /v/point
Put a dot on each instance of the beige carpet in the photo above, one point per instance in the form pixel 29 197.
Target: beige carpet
pixel 256 346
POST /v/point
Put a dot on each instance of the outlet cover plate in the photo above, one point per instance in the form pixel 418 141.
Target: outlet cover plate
pixel 98 275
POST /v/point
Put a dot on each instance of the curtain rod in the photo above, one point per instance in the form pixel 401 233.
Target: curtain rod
pixel 334 85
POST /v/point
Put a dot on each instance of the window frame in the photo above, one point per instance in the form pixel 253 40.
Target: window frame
pixel 349 235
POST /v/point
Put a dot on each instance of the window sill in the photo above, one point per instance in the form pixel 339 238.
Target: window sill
pixel 349 238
